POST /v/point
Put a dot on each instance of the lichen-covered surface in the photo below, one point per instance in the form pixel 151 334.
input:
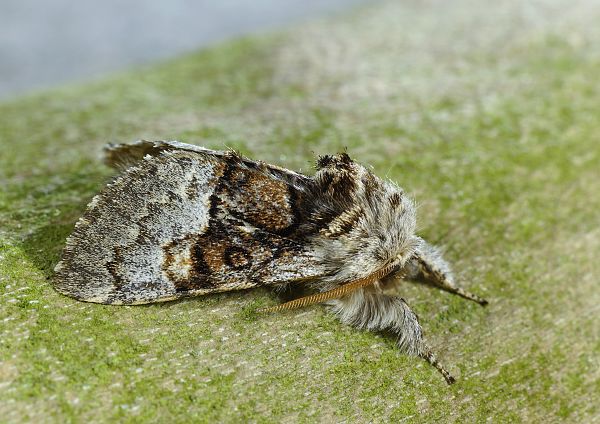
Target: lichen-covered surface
pixel 486 113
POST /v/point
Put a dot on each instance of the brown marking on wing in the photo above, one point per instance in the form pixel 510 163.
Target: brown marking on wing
pixel 193 188
pixel 262 200
pixel 250 236
pixel 212 251
pixel 184 267
pixel 113 267
pixel 185 263
pixel 237 257
pixel 251 194
pixel 224 248
pixel 225 254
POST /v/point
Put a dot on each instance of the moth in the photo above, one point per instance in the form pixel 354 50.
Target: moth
pixel 182 220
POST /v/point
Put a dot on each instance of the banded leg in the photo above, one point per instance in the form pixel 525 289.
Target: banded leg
pixel 428 264
pixel 368 309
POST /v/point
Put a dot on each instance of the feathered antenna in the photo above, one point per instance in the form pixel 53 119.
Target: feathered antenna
pixel 335 293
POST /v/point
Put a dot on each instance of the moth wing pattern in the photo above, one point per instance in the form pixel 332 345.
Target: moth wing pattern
pixel 185 221
pixel 123 156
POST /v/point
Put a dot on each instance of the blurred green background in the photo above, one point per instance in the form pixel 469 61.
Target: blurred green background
pixel 485 112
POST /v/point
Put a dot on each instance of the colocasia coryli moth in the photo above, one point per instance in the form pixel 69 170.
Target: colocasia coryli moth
pixel 182 220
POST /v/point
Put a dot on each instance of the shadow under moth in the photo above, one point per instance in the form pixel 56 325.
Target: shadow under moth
pixel 181 220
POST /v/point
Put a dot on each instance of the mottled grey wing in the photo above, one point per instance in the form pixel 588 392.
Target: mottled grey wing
pixel 123 156
pixel 186 222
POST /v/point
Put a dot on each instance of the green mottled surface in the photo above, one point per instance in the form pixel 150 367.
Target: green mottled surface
pixel 489 114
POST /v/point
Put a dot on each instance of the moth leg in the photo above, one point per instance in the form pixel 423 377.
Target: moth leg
pixel 428 264
pixel 369 309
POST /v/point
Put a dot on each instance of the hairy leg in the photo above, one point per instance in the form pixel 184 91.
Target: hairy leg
pixel 428 264
pixel 369 309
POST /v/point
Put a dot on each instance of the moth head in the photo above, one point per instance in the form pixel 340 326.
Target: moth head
pixel 384 237
pixel 363 217
pixel 395 222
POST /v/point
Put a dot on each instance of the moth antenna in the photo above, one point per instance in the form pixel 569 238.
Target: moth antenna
pixel 428 264
pixel 331 294
pixel 469 296
pixel 430 357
